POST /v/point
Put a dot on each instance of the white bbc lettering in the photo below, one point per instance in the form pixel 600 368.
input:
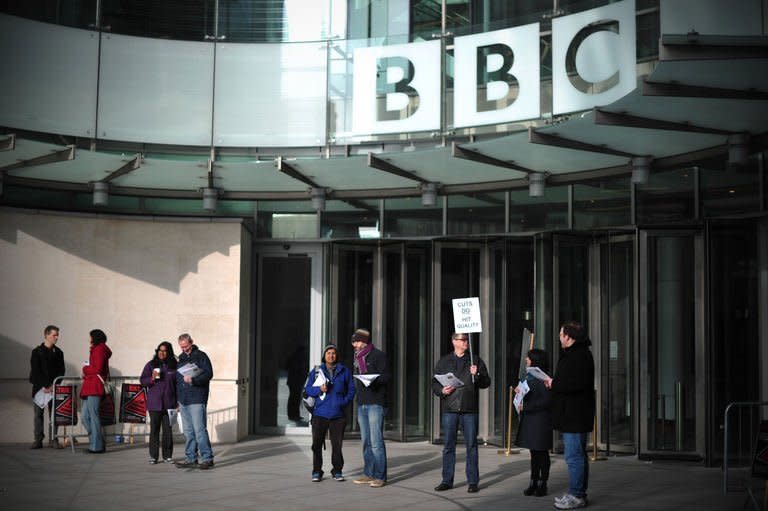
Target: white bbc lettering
pixel 496 74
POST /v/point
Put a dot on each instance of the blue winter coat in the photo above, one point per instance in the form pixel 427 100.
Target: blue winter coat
pixel 341 391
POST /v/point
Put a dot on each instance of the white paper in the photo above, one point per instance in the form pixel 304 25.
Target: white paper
pixel 449 380
pixel 524 388
pixel 42 397
pixel 320 380
pixel 537 373
pixel 366 378
pixel 172 415
pixel 190 370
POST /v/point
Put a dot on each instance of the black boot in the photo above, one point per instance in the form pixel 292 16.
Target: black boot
pixel 541 489
pixel 531 489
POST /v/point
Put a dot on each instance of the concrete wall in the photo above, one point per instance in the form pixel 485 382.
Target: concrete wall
pixel 141 281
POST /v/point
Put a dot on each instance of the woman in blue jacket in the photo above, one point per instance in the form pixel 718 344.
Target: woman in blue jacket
pixel 334 391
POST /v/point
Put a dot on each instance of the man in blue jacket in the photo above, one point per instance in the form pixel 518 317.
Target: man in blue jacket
pixel 331 384
pixel 192 393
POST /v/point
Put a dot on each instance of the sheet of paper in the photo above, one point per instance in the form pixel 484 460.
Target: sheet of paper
pixel 190 370
pixel 449 380
pixel 366 378
pixel 524 388
pixel 42 398
pixel 537 373
pixel 320 379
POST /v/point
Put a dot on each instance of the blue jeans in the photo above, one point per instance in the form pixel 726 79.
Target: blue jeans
pixel 575 445
pixel 92 422
pixel 468 423
pixel 194 421
pixel 371 421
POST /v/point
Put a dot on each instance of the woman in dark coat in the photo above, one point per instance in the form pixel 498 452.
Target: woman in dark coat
pixel 535 429
pixel 159 378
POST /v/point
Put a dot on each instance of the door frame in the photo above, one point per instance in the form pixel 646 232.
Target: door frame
pixel 314 251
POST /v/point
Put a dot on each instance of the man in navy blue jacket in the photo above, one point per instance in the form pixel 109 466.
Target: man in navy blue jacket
pixel 192 393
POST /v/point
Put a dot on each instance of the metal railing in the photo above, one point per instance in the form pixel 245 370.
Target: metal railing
pixel 738 453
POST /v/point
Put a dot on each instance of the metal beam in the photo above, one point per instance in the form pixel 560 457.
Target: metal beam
pixel 605 118
pixel 536 137
pixel 468 154
pixel 681 90
pixel 54 157
pixel 129 166
pixel 695 46
pixel 381 164
pixel 289 170
pixel 8 143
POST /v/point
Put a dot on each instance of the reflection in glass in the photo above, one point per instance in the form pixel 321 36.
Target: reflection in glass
pixel 391 340
pixel 407 217
pixel 667 197
pixel 603 204
pixel 538 213
pixel 417 373
pixel 350 219
pixel 286 219
pixel 732 190
pixel 477 213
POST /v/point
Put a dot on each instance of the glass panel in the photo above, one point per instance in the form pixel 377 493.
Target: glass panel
pixel 618 432
pixel 407 217
pixel 735 190
pixel 190 20
pixel 734 317
pixel 416 374
pixel 573 282
pixel 513 311
pixel 286 219
pixel 391 336
pixel 79 14
pixel 246 105
pixel 284 338
pixel 538 213
pixel 603 204
pixel 154 90
pixel 281 20
pixel 478 213
pixel 350 219
pixel 671 344
pixel 667 197
pixel 51 78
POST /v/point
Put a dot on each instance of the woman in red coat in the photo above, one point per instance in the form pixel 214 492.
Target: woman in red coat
pixel 95 373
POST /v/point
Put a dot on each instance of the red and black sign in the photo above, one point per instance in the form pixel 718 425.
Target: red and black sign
pixel 65 405
pixel 133 404
pixel 107 410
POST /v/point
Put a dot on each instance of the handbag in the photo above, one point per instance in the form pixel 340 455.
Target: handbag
pixel 109 387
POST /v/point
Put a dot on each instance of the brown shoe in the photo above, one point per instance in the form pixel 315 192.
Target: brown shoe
pixel 363 480
pixel 377 483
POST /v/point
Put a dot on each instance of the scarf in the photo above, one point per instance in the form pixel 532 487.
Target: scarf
pixel 360 358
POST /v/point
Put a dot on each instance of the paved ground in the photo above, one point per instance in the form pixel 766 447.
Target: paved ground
pixel 273 473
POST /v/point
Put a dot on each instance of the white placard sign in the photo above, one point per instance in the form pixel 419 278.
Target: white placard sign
pixel 466 315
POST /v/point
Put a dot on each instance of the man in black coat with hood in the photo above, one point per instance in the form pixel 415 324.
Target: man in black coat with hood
pixel 573 409
pixel 45 365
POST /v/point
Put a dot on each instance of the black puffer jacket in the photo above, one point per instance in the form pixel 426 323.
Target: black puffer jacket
pixel 463 399
pixel 573 390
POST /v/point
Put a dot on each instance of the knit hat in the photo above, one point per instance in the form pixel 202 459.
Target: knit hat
pixel 361 334
pixel 330 347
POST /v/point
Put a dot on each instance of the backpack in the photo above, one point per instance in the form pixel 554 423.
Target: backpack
pixel 309 401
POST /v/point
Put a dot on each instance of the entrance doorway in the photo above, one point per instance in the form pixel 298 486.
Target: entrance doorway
pixel 287 328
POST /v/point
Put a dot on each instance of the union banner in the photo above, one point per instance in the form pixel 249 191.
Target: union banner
pixel 65 405
pixel 133 404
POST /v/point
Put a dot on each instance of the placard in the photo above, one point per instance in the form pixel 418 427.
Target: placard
pixel 760 459
pixel 133 403
pixel 466 315
pixel 65 405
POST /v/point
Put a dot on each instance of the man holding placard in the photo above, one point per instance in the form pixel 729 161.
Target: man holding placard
pixel 458 377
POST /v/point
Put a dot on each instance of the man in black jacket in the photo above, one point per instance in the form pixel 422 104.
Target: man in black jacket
pixel 459 405
pixel 573 409
pixel 45 365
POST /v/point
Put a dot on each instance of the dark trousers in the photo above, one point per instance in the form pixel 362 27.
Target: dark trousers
pixel 336 427
pixel 540 465
pixel 157 421
pixel 40 421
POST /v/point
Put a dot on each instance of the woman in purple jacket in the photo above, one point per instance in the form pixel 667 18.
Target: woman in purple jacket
pixel 159 378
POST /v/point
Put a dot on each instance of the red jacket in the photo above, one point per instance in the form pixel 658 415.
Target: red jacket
pixel 98 364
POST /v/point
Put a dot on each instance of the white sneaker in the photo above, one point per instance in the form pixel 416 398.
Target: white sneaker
pixel 569 501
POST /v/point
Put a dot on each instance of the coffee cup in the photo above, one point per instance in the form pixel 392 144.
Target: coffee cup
pixel 156 373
